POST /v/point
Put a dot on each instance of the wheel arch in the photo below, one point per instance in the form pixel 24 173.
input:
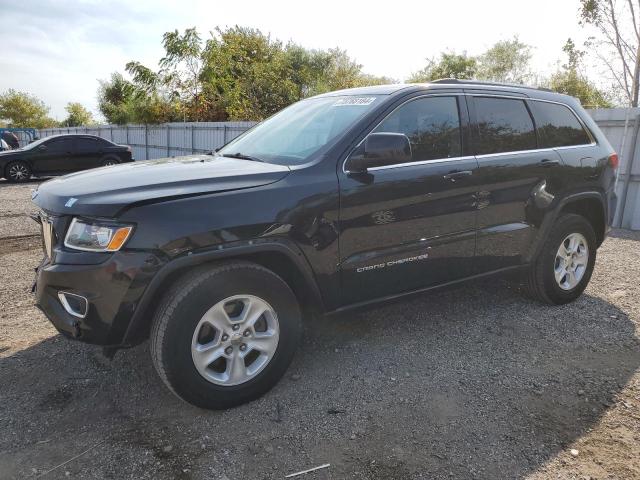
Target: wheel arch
pixel 591 208
pixel 110 156
pixel 590 204
pixel 284 260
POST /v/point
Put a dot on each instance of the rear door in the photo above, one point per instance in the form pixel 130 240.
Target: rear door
pixel 86 153
pixel 53 156
pixel 516 179
pixel 410 226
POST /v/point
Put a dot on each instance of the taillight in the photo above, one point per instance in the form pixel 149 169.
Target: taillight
pixel 614 161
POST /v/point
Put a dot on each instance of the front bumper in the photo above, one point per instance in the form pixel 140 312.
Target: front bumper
pixel 113 289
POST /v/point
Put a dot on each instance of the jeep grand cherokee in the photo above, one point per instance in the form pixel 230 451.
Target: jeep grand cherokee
pixel 341 200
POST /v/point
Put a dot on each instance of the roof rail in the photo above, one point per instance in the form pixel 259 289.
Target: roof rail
pixel 494 84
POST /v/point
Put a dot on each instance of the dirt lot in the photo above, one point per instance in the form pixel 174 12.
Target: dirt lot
pixel 475 382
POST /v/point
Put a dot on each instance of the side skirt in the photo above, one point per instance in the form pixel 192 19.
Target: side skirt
pixel 391 298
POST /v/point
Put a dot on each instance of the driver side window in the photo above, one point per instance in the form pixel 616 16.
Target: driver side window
pixel 60 145
pixel 432 125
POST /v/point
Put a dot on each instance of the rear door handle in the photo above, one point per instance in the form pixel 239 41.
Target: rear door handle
pixel 453 176
pixel 549 163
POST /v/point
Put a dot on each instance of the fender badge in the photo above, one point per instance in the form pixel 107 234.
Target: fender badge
pixel 70 202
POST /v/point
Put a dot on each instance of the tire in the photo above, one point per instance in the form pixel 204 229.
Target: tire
pixel 180 329
pixel 543 283
pixel 17 171
pixel 109 161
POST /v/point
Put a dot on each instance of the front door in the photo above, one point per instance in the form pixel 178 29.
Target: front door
pixel 53 156
pixel 410 226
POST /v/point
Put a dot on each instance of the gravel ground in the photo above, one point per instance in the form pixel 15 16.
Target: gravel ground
pixel 476 382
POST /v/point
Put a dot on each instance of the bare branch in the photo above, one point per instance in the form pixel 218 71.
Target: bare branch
pixel 633 19
pixel 614 73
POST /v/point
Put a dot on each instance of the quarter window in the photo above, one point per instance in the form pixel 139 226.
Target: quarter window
pixel 557 125
pixel 504 125
pixel 431 124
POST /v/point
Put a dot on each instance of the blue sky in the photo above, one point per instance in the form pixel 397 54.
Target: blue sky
pixel 58 50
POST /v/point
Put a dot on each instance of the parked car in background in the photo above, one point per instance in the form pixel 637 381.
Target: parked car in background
pixel 10 139
pixel 4 146
pixel 61 154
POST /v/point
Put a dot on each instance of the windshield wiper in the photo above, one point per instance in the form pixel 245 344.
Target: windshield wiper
pixel 242 156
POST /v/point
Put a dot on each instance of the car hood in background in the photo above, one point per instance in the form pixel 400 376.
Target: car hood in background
pixel 106 191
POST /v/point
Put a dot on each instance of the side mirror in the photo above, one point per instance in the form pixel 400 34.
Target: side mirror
pixel 378 150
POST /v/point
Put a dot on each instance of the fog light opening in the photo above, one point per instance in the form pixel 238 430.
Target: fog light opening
pixel 75 305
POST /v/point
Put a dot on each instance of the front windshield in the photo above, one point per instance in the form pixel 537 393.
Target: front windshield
pixel 293 135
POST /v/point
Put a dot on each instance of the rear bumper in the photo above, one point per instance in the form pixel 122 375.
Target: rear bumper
pixel 113 290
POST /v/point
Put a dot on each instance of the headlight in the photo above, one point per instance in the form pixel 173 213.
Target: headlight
pixel 96 236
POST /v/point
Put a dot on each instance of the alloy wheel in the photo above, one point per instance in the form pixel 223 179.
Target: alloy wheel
pixel 571 261
pixel 235 340
pixel 18 172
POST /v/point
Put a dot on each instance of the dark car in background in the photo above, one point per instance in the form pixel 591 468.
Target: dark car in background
pixel 59 155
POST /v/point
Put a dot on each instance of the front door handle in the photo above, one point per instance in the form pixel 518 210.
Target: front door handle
pixel 549 163
pixel 453 176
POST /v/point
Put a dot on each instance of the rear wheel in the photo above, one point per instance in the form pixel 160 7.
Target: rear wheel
pixel 109 161
pixel 225 334
pixel 18 171
pixel 565 264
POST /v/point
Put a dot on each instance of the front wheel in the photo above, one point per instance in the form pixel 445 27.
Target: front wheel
pixel 564 266
pixel 225 334
pixel 18 171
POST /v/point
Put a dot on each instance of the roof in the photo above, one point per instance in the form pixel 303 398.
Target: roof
pixel 58 135
pixel 452 83
pixel 371 90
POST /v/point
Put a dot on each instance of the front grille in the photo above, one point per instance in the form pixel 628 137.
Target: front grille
pixel 48 235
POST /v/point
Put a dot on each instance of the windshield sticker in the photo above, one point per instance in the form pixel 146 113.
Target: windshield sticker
pixel 362 101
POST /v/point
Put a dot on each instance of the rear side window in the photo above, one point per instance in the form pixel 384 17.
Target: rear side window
pixel 431 124
pixel 557 125
pixel 86 144
pixel 504 125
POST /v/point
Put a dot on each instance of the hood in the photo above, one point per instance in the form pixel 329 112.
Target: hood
pixel 105 191
pixel 8 153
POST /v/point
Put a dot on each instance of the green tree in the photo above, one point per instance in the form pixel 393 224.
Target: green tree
pixel 176 88
pixel 78 115
pixel 115 99
pixel 570 80
pixel 246 74
pixel 238 73
pixel 449 65
pixel 506 61
pixel 19 109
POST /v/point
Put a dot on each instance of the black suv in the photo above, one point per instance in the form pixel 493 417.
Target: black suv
pixel 338 201
pixel 59 155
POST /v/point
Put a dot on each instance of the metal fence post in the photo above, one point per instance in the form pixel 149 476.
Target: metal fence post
pixel 628 169
pixel 168 141
pixel 126 133
pixel 224 134
pixel 193 150
pixel 146 141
